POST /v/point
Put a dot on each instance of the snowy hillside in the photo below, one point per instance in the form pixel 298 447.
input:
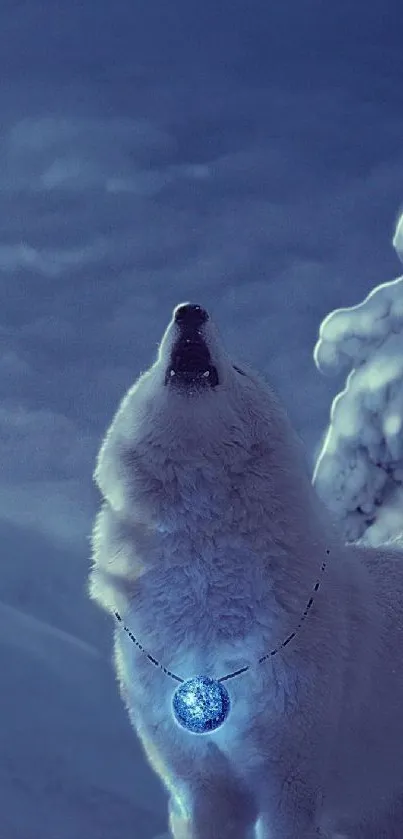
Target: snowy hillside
pixel 70 767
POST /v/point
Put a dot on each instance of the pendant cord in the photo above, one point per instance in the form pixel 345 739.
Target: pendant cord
pixel 243 669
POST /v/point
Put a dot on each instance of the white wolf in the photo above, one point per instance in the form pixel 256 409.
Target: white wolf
pixel 209 545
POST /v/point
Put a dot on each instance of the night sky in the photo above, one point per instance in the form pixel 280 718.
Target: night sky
pixel 244 155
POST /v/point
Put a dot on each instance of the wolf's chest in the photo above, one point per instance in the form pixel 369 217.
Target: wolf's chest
pixel 204 620
pixel 152 688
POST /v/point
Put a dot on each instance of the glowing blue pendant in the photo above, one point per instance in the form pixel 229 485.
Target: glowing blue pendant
pixel 201 704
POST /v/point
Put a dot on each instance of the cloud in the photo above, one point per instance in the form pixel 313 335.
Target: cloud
pixel 75 155
pixel 53 152
pixel 50 263
pixel 40 443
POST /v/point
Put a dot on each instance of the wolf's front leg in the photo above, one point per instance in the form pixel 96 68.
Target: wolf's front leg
pixel 269 828
pixel 179 822
pixel 208 798
pixel 289 807
pixel 216 808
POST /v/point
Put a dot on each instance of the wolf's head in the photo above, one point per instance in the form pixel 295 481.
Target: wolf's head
pixel 194 390
pixel 201 460
pixel 197 418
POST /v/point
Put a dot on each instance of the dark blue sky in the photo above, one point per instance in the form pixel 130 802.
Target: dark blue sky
pixel 244 155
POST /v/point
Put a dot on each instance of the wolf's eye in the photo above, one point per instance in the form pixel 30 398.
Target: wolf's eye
pixel 238 370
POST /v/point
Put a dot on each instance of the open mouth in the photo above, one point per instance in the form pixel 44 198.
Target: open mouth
pixel 190 364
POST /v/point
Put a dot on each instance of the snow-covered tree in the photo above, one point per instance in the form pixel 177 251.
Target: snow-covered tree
pixel 359 471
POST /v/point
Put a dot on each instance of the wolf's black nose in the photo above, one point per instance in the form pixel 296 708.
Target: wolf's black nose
pixel 191 315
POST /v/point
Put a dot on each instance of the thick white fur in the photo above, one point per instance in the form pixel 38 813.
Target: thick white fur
pixel 209 543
